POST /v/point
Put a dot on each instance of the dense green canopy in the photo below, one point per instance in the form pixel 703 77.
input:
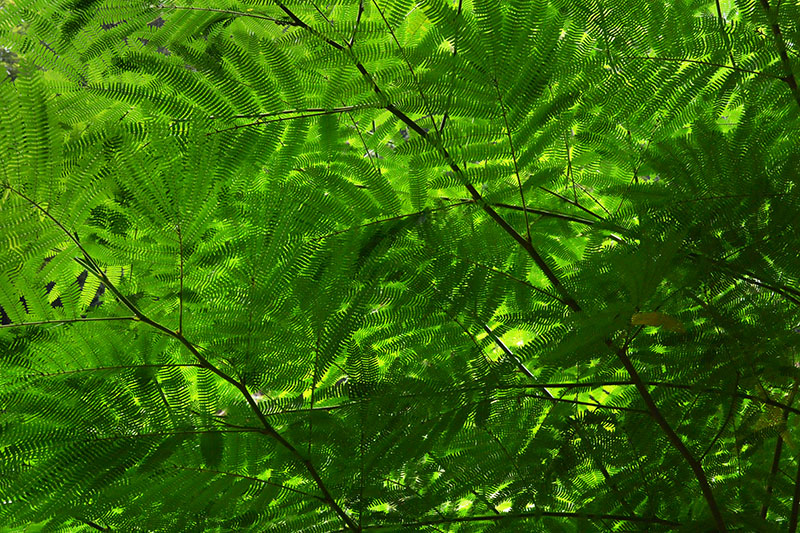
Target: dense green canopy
pixel 395 265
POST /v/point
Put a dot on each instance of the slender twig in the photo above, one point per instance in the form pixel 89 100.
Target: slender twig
pixel 280 22
pixel 452 72
pixel 373 160
pixel 533 210
pixel 173 433
pixel 384 220
pixel 408 64
pixel 795 502
pixel 89 263
pixel 313 388
pixel 330 111
pixel 710 390
pixel 106 368
pixel 570 175
pixel 706 63
pixel 590 404
pixel 399 484
pixel 595 200
pixel 523 516
pixel 789 77
pixel 276 119
pixel 93 525
pixel 776 456
pixel 358 22
pixel 725 423
pixel 301 24
pixel 673 437
pixel 514 159
pixel 68 321
pixel 722 33
pixel 579 206
pixel 249 478
pixel 180 288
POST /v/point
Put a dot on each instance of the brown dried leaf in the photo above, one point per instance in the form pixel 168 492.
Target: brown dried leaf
pixel 658 319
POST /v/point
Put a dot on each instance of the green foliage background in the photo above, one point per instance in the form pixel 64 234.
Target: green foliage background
pixel 387 265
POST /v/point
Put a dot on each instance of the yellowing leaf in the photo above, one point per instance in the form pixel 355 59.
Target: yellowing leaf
pixel 655 318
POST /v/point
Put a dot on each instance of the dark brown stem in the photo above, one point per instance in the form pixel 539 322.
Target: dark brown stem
pixel 789 77
pixel 795 502
pixel 725 423
pixel 776 457
pixel 673 437
pixel 91 265
pixel 94 525
pixel 514 159
pixel 358 22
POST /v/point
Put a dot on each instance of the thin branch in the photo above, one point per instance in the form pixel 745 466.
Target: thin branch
pixel 331 111
pixel 706 63
pixel 68 321
pixel 595 200
pixel 301 24
pixel 590 404
pixel 408 64
pixel 452 72
pixel 372 159
pixel 93 525
pixel 795 502
pixel 92 266
pixel 673 437
pixel 533 210
pixel 570 175
pixel 383 220
pixel 523 516
pixel 710 390
pixel 89 263
pixel 776 456
pixel 509 276
pixel 399 484
pixel 278 119
pixel 173 433
pixel 579 206
pixel 250 478
pixel 790 80
pixel 280 22
pixel 725 423
pixel 106 368
pixel 514 159
pixel 180 289
pixel 722 33
pixel 358 22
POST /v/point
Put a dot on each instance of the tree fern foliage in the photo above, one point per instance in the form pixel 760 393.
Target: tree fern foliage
pixel 394 265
